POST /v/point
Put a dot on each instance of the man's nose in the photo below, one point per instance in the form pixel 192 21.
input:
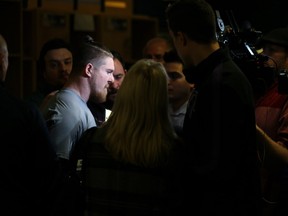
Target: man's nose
pixel 111 78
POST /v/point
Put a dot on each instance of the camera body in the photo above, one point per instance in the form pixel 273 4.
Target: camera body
pixel 243 49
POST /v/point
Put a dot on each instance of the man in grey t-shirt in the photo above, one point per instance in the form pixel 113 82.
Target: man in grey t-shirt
pixel 66 112
pixel 68 117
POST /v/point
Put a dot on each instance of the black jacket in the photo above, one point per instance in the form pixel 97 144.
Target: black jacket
pixel 219 131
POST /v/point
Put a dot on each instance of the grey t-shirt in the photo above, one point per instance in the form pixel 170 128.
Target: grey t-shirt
pixel 67 117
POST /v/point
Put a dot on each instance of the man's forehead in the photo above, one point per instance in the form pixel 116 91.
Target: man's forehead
pixel 173 66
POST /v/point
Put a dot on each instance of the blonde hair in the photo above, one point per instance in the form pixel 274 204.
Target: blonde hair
pixel 139 130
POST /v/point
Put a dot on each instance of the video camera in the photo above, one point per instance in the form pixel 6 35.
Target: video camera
pixel 243 49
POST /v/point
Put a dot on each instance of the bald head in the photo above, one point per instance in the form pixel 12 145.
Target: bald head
pixel 156 47
pixel 3 58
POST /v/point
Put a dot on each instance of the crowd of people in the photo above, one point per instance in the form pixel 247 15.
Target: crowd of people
pixel 178 132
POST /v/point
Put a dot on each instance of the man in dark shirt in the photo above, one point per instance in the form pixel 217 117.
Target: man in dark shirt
pixel 219 127
pixel 53 67
pixel 28 164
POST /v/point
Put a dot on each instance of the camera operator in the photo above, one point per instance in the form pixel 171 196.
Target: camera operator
pixel 272 117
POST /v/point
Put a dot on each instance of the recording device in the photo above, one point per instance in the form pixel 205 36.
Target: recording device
pixel 243 49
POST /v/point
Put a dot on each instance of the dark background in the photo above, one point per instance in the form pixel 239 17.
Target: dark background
pixel 263 15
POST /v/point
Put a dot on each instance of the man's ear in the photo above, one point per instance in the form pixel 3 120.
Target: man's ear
pixel 182 38
pixel 88 69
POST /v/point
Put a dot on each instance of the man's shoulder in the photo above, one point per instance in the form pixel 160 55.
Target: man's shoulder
pixel 62 99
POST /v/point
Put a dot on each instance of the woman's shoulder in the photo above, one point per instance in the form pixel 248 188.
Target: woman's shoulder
pixel 88 142
pixel 92 135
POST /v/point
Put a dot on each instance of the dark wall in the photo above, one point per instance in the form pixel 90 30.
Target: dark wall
pixel 155 8
pixel 264 15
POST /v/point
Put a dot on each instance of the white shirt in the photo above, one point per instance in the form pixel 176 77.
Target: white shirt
pixel 177 117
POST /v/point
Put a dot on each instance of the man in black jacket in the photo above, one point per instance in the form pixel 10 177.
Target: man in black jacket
pixel 219 127
pixel 29 168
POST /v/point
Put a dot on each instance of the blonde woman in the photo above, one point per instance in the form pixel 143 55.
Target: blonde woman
pixel 130 163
